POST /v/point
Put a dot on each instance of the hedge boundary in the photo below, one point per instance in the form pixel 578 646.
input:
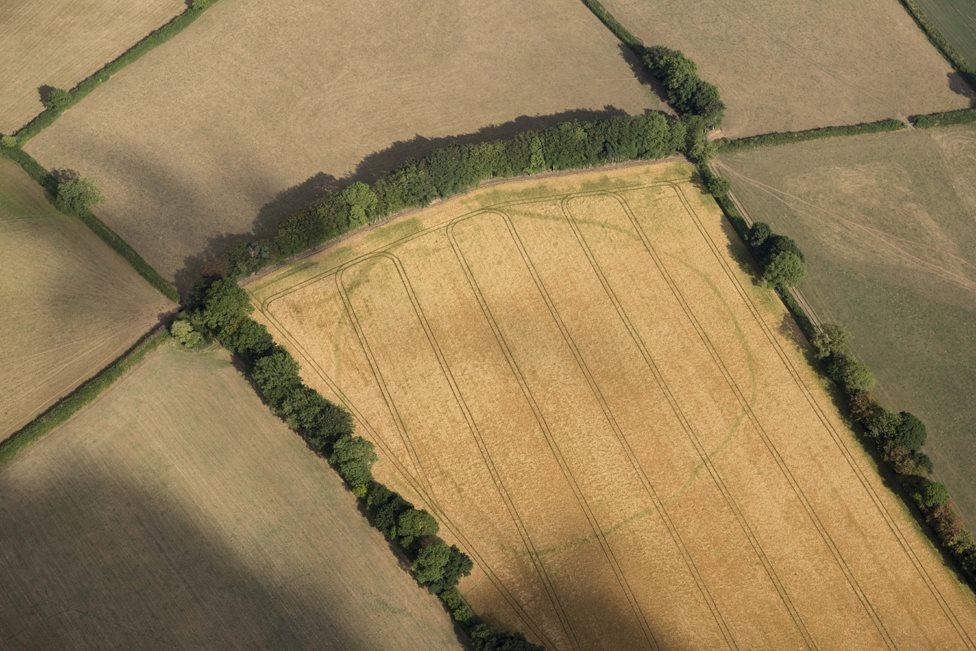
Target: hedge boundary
pixel 942 523
pixel 789 137
pixel 86 392
pixel 941 43
pixel 156 37
pixel 945 118
pixel 47 181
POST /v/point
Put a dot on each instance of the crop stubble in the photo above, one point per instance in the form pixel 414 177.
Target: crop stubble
pixel 593 402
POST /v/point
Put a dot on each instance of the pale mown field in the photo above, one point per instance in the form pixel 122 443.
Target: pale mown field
pixel 72 304
pixel 177 512
pixel 577 378
pixel 60 42
pixel 888 225
pixel 208 136
pixel 787 65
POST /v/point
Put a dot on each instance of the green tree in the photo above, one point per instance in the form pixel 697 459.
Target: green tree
pixel 431 562
pixel 358 202
pixel 759 232
pixel 223 307
pixel 852 374
pixel 277 377
pixel 784 269
pixel 931 494
pixel 831 339
pixel 353 458
pixel 55 98
pixel 910 431
pixel 414 525
pixel 75 194
pixel 183 332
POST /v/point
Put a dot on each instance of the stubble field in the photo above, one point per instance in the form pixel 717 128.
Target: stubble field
pixel 788 65
pixel 60 42
pixel 245 115
pixel 72 304
pixel 577 378
pixel 886 222
pixel 177 512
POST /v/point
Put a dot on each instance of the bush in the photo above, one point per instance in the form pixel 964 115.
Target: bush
pixel 183 331
pixel 75 194
pixel 8 141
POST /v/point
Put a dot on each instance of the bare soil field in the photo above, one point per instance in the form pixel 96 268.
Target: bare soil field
pixel 60 42
pixel 72 304
pixel 788 65
pixel 575 375
pixel 177 512
pixel 956 19
pixel 245 115
pixel 887 224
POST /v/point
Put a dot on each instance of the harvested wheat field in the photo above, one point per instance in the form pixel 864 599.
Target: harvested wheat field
pixel 887 224
pixel 246 115
pixel 73 305
pixel 177 512
pixel 577 378
pixel 60 42
pixel 788 65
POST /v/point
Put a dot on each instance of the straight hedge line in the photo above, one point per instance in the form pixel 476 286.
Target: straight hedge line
pixel 47 181
pixel 615 26
pixel 961 116
pixel 157 37
pixel 84 394
pixel 940 42
pixel 895 440
pixel 787 137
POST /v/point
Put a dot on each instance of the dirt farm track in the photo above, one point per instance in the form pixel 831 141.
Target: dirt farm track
pixel 578 379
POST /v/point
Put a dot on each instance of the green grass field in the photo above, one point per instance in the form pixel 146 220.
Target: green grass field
pixel 887 224
pixel 956 19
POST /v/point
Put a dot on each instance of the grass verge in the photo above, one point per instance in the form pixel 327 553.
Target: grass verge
pixel 84 394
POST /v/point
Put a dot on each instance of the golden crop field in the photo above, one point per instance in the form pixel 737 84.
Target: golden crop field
pixel 575 375
pixel 788 65
pixel 177 512
pixel 72 304
pixel 249 112
pixel 60 42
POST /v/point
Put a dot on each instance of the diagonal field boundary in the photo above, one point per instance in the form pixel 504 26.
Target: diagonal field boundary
pixel 265 307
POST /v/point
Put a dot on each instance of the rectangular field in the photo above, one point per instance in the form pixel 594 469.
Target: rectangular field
pixel 60 42
pixel 577 378
pixel 956 19
pixel 789 65
pixel 72 304
pixel 886 222
pixel 248 113
pixel 177 512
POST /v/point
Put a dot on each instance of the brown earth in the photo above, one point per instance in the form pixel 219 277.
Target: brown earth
pixel 254 108
pixel 60 42
pixel 578 379
pixel 787 65
pixel 72 304
pixel 177 512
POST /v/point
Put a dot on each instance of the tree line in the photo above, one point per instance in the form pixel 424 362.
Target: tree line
pixel 219 308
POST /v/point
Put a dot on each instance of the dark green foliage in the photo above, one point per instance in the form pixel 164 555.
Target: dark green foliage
pixel 910 431
pixel 276 376
pixel 385 508
pixel 487 639
pixel 458 565
pixel 331 423
pixel 759 232
pixel 931 494
pixel 431 562
pixel 355 205
pixel 75 194
pixel 962 116
pixel 783 269
pixel 714 184
pixel 831 339
pixel 249 340
pixel 56 99
pixel 353 458
pixel 460 611
pixel 246 258
pixel 849 372
pixel 224 307
pixel 687 92
pixel 786 137
pixel 414 525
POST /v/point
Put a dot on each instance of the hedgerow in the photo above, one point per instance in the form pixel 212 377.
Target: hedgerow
pixel 896 439
pixel 787 137
pixel 220 309
pixel 961 116
pixel 60 100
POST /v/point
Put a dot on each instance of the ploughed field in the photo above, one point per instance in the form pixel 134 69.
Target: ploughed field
pixel 956 19
pixel 60 42
pixel 177 512
pixel 249 112
pixel 789 65
pixel 72 304
pixel 886 222
pixel 577 378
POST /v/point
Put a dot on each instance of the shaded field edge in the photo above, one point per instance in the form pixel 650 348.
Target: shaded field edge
pixel 45 179
pixel 84 394
pixel 80 90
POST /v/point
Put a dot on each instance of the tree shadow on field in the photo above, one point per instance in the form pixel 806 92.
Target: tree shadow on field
pixel 373 166
pixel 643 75
pixel 963 84
pixel 95 561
